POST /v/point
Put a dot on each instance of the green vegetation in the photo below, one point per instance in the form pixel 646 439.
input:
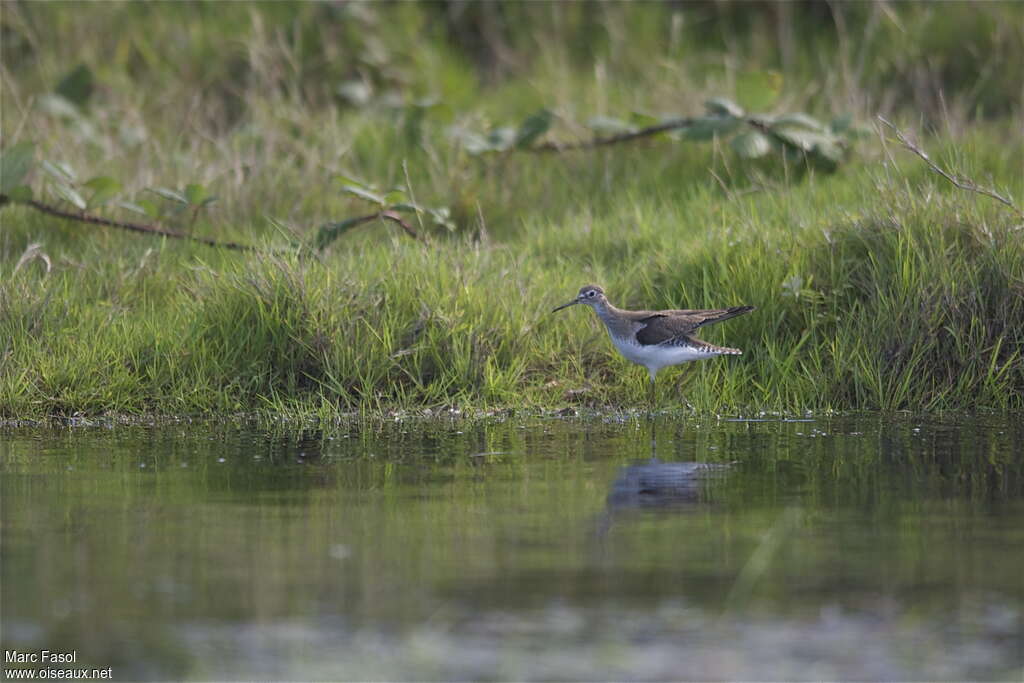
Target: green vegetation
pixel 879 285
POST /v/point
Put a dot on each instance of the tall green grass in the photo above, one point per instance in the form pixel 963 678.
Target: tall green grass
pixel 877 287
pixel 914 302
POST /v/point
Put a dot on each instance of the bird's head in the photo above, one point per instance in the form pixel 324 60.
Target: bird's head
pixel 591 295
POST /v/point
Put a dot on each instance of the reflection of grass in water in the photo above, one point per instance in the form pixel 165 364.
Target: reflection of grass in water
pixel 760 560
pixel 404 541
pixel 875 288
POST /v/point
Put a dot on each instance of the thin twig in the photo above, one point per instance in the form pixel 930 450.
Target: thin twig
pixel 962 183
pixel 674 124
pixel 383 215
pixel 395 217
pixel 83 217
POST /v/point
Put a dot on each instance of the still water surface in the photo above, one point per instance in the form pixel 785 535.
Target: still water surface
pixel 840 548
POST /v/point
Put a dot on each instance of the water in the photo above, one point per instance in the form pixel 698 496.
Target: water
pixel 845 548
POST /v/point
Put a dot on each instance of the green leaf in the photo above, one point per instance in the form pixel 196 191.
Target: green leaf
pixel 77 86
pixel 720 106
pixel 59 170
pixel 21 193
pixel 70 194
pixel 443 217
pixel 394 197
pixel 829 152
pixel 801 121
pixel 643 119
pixel 532 128
pixel 132 206
pixel 150 208
pixel 332 231
pixel 406 207
pixel 798 138
pixel 104 188
pixel 195 194
pixel 607 125
pixel 354 182
pixel 841 124
pixel 758 90
pixel 751 145
pixel 170 195
pixel 363 194
pixel 472 142
pixel 707 127
pixel 59 106
pixel 15 163
pixel 500 139
pixel 355 92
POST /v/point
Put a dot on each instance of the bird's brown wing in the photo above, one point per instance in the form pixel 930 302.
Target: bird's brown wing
pixel 666 325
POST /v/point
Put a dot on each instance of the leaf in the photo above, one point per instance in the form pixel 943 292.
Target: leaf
pixel 841 124
pixel 830 152
pixel 500 139
pixel 758 90
pixel 799 138
pixel 643 119
pixel 59 106
pixel 104 188
pixel 353 181
pixel 132 206
pixel 70 194
pixel 355 92
pixel 363 194
pixel 150 208
pixel 59 170
pixel 472 142
pixel 799 120
pixel 751 145
pixel 195 194
pixel 21 193
pixel 77 86
pixel 443 217
pixel 170 195
pixel 720 106
pixel 532 128
pixel 15 163
pixel 394 197
pixel 707 127
pixel 332 231
pixel 792 286
pixel 607 125
pixel 406 207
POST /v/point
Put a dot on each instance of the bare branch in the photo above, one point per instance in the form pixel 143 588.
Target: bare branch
pixel 674 124
pixel 962 183
pixel 395 217
pixel 83 217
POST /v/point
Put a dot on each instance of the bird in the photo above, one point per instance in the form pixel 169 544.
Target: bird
pixel 656 339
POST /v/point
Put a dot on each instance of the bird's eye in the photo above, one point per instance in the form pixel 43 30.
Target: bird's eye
pixel 591 294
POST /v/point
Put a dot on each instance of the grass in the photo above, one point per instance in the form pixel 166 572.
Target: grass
pixel 878 287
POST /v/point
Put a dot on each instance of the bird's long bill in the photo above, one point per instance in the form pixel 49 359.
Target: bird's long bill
pixel 571 303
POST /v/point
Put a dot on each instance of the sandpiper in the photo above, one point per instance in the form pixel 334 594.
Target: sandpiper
pixel 657 339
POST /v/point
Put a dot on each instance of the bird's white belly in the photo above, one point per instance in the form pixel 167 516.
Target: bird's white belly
pixel 655 357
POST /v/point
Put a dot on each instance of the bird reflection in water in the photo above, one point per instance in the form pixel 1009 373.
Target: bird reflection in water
pixel 654 485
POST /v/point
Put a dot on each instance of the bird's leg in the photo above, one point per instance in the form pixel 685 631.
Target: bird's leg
pixel 651 394
pixel 682 396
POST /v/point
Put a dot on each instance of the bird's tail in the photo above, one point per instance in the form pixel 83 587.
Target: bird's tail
pixel 726 314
